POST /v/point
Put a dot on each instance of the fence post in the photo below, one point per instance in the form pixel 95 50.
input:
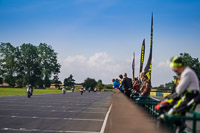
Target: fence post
pixel 194 124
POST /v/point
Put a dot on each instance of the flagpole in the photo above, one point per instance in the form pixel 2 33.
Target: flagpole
pixel 133 66
pixel 142 56
pixel 148 67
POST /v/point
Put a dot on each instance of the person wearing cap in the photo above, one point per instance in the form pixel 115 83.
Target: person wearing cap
pixel 187 90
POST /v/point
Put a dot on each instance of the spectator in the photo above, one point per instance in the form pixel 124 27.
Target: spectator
pixel 146 88
pixel 127 85
pixel 141 79
pixel 136 85
pixel 176 82
pixel 121 79
pixel 142 75
pixel 116 84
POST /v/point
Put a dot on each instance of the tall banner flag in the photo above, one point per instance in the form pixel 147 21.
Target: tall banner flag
pixel 142 55
pixel 148 67
pixel 133 66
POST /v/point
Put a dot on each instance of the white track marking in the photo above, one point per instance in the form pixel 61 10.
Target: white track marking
pixel 96 108
pixel 48 106
pixel 49 131
pixel 71 111
pixel 52 118
pixel 105 120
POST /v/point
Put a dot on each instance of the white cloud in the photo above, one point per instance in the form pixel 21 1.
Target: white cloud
pixel 98 66
pixel 164 64
pixel 103 66
pixel 99 59
pixel 74 59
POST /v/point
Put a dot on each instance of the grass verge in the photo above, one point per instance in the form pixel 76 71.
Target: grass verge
pixel 22 91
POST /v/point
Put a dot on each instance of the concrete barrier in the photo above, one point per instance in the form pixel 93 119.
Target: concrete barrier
pixel 126 117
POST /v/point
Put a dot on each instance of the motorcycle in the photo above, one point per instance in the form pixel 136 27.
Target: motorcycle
pixel 167 105
pixel 29 93
pixel 81 90
pixel 63 90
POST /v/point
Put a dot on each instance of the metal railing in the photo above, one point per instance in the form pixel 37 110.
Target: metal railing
pixel 149 103
pixel 169 120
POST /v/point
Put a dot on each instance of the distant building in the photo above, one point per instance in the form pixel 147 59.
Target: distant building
pixel 4 85
pixel 56 86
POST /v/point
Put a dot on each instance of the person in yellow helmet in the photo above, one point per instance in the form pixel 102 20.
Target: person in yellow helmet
pixel 187 89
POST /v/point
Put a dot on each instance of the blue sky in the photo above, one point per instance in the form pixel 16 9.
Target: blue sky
pixel 96 38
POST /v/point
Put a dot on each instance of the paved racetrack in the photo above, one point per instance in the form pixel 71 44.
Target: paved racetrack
pixel 71 113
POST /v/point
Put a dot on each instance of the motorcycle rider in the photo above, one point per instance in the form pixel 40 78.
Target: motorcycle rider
pixel 81 90
pixel 72 88
pixel 187 89
pixel 170 100
pixel 63 90
pixel 29 91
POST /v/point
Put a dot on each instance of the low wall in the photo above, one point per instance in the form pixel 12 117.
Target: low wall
pixel 127 117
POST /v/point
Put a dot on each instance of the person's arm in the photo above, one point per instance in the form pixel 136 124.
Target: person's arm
pixel 184 82
pixel 118 85
pixel 113 85
pixel 134 84
pixel 145 89
pixel 141 87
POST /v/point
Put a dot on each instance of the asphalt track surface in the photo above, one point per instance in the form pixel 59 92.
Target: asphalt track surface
pixel 52 113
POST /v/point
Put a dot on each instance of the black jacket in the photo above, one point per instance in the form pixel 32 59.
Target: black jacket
pixel 127 83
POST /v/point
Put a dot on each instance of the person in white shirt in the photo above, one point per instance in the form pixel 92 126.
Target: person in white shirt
pixel 187 90
pixel 63 90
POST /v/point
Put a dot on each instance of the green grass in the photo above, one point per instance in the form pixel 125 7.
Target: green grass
pixel 22 91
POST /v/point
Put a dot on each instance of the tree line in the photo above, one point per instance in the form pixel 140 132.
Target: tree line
pixel 35 65
pixel 88 83
pixel 28 64
pixel 92 83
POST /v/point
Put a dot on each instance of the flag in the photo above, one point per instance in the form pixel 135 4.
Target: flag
pixel 142 55
pixel 148 67
pixel 133 65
